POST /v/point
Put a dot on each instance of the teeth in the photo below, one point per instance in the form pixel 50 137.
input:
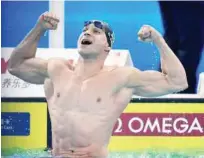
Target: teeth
pixel 84 40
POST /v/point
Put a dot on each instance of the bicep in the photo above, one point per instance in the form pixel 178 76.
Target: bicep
pixel 150 83
pixel 32 70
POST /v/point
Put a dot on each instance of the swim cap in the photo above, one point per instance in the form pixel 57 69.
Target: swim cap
pixel 105 27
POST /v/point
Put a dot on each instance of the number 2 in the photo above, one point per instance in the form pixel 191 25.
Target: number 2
pixel 119 127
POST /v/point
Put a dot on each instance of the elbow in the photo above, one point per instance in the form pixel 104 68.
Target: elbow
pixel 183 87
pixel 178 84
pixel 12 71
pixel 12 68
pixel 180 87
pixel 184 84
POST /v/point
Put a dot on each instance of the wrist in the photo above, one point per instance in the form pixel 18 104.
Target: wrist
pixel 158 39
pixel 40 29
pixel 156 36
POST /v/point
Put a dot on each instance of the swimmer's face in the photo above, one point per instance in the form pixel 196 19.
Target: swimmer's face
pixel 92 41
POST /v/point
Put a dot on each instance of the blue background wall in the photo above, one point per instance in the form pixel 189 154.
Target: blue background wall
pixel 18 18
pixel 125 18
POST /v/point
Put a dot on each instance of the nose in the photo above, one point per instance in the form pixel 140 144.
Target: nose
pixel 86 34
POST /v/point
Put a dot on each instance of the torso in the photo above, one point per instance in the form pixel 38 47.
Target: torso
pixel 83 112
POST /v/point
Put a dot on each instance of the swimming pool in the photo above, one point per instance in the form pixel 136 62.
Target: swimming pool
pixel 37 153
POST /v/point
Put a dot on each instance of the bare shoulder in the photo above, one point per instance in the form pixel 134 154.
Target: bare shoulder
pixel 59 65
pixel 123 72
pixel 120 76
pixel 53 61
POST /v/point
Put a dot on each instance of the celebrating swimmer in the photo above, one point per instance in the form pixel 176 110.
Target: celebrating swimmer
pixel 85 102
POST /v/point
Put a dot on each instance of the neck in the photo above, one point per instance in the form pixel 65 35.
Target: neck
pixel 88 67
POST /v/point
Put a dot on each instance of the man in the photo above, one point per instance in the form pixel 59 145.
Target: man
pixel 85 102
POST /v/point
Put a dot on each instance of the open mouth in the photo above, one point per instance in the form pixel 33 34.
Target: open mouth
pixel 86 42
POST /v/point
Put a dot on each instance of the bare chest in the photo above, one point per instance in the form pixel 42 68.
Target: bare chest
pixel 77 103
pixel 94 94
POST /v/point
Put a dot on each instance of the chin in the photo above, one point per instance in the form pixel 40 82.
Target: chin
pixel 83 51
pixel 87 51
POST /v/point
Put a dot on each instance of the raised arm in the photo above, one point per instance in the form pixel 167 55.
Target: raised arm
pixel 153 83
pixel 22 62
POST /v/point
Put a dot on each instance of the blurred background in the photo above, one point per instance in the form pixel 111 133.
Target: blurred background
pixel 181 23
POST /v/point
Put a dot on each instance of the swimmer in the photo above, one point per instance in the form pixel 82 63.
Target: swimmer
pixel 85 102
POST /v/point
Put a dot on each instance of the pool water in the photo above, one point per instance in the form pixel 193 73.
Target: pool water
pixel 37 153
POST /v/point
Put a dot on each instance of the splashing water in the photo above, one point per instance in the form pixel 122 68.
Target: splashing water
pixel 155 56
pixel 37 153
pixel 22 153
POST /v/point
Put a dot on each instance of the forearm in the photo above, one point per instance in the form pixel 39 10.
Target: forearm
pixel 170 64
pixel 27 48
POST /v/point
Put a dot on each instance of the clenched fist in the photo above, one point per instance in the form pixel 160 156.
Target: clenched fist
pixel 148 34
pixel 48 21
